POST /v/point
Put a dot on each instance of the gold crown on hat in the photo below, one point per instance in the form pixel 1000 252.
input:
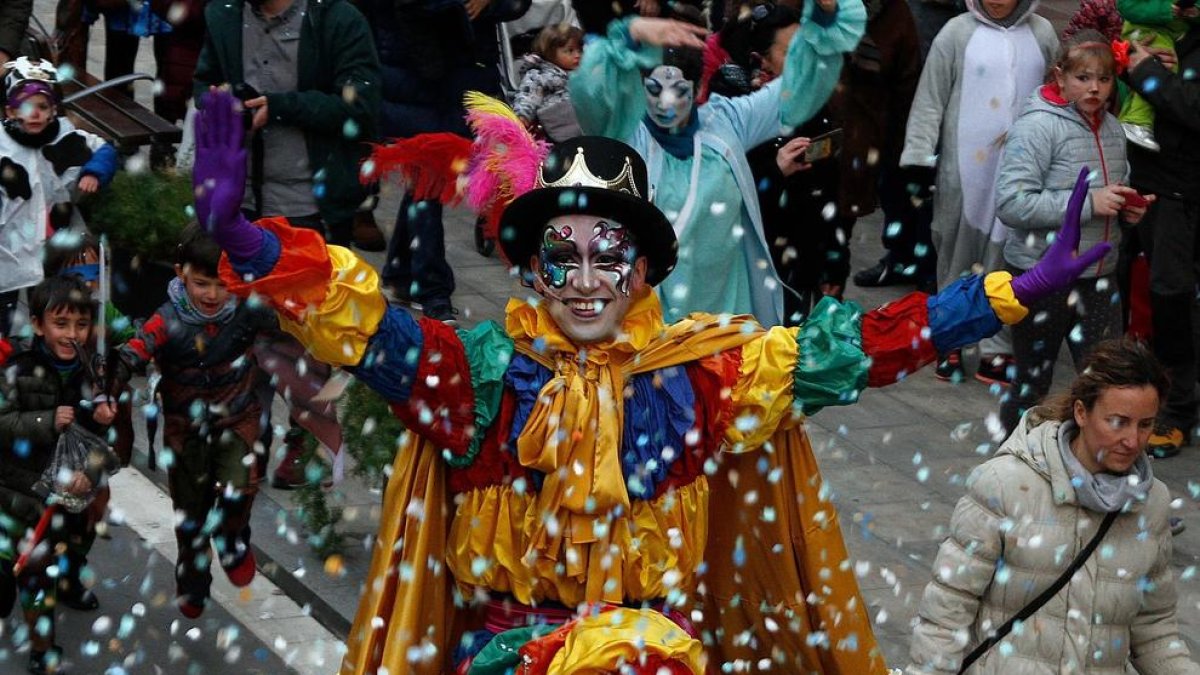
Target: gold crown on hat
pixel 579 175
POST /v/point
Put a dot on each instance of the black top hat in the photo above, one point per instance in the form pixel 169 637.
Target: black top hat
pixel 596 176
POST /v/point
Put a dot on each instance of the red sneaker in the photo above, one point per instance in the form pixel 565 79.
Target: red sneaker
pixel 242 573
pixel 188 607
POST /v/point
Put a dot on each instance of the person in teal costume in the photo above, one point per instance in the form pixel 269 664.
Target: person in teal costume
pixel 697 163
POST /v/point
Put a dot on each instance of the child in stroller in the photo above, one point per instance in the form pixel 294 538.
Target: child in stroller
pixel 542 101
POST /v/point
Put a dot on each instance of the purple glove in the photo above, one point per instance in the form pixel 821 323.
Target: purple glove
pixel 1060 267
pixel 219 176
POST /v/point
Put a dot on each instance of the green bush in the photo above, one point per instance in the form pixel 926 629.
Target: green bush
pixel 144 212
pixel 372 432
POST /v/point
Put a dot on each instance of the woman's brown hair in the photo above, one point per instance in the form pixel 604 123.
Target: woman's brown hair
pixel 1112 363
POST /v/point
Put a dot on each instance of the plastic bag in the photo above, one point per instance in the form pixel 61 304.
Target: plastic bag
pixel 78 450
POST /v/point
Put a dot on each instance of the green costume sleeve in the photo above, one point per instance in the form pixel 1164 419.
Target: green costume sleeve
pixel 1146 12
pixel 831 367
pixel 606 89
pixel 488 349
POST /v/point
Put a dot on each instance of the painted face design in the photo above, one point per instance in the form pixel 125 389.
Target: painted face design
pixel 608 252
pixel 586 269
pixel 669 97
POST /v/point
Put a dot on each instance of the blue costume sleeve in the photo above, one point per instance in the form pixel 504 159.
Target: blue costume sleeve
pixel 814 64
pixel 961 314
pixel 264 261
pixel 102 165
pixel 392 356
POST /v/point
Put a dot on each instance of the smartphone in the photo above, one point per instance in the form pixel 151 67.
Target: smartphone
pixel 1135 200
pixel 824 146
pixel 244 92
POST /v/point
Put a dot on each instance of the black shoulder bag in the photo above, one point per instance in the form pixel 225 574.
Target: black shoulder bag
pixel 1036 604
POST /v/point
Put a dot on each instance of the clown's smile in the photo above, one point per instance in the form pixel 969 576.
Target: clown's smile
pixel 586 308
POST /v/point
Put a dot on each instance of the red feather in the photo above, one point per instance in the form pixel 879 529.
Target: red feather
pixel 430 164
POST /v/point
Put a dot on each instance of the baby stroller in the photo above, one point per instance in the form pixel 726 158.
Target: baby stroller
pixel 516 40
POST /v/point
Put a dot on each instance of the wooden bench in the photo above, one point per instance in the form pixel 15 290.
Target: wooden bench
pixel 110 113
pixel 116 117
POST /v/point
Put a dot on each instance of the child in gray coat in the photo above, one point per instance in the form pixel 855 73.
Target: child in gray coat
pixel 1065 129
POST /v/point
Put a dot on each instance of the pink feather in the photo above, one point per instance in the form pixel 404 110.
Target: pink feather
pixel 504 160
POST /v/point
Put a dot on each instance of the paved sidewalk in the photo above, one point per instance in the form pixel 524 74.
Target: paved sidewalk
pixel 896 461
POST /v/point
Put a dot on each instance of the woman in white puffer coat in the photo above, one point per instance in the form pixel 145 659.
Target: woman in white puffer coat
pixel 1031 508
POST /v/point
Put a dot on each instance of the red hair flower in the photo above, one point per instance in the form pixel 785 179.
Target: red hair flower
pixel 1120 50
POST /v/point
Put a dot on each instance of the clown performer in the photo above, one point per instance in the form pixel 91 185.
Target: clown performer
pixel 630 88
pixel 549 507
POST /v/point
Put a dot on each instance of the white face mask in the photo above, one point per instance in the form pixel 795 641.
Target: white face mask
pixel 669 97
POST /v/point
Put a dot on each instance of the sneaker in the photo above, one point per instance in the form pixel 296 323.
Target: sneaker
pixel 1139 135
pixel 949 367
pixel 290 474
pixel 444 313
pixel 190 607
pixel 49 661
pixel 882 274
pixel 1166 442
pixel 998 369
pixel 1177 525
pixel 242 574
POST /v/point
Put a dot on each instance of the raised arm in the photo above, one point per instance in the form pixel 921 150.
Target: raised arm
pixel 840 350
pixel 828 31
pixel 327 297
pixel 607 90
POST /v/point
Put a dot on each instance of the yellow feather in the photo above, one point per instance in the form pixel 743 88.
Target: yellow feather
pixel 482 103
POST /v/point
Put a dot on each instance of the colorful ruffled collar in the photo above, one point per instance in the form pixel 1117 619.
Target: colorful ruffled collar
pixel 529 322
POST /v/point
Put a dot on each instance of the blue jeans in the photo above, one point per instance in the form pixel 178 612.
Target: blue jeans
pixel 421 271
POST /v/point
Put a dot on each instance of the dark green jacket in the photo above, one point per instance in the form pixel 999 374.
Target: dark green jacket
pixel 337 98
pixel 14 18
pixel 30 391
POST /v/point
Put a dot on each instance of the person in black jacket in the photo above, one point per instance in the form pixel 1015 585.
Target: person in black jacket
pixel 14 18
pixel 1169 233
pixel 432 52
pixel 46 389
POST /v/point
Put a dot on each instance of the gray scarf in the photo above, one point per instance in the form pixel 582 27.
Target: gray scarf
pixel 1103 492
pixel 189 313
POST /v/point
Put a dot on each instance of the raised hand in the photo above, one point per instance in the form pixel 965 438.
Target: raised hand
pixel 667 33
pixel 219 175
pixel 1060 266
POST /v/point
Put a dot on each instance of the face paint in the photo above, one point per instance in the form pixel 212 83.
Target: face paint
pixel 613 253
pixel 557 256
pixel 587 272
pixel 609 251
pixel 669 97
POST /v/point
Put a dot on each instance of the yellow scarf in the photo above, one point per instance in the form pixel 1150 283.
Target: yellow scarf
pixel 573 434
